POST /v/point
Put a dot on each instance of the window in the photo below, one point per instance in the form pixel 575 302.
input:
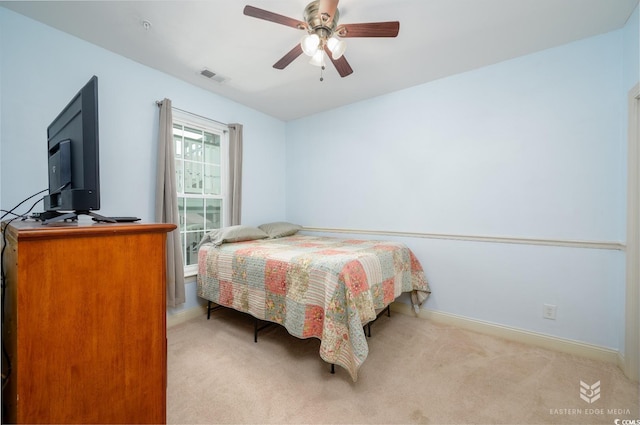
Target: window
pixel 201 169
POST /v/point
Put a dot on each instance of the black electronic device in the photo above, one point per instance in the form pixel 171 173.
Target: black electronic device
pixel 120 219
pixel 73 158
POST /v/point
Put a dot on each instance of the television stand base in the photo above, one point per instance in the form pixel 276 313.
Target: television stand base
pixel 49 217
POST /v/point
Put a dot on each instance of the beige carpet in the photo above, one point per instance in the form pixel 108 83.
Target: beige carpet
pixel 417 372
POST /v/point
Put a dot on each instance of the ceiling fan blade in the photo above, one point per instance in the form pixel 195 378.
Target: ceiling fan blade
pixel 369 29
pixel 327 8
pixel 289 57
pixel 273 17
pixel 341 64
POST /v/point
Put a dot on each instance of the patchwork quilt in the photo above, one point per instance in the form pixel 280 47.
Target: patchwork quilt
pixel 321 287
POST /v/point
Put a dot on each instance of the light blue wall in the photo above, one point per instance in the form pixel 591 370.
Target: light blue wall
pixel 522 148
pixel 631 69
pixel 43 68
pixel 529 148
pixel 532 147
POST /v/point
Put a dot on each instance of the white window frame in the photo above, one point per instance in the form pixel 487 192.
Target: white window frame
pixel 210 126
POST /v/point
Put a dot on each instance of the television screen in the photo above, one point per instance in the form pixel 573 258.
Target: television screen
pixel 73 157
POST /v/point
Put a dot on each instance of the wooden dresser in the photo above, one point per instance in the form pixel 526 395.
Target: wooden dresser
pixel 84 323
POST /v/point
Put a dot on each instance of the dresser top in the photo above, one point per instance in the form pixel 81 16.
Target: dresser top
pixel 31 229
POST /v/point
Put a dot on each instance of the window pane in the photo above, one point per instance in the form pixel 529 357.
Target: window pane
pixel 177 138
pixel 193 144
pixel 183 237
pixel 211 148
pixel 192 177
pixel 194 228
pixel 181 212
pixel 195 214
pixel 212 179
pixel 181 224
pixel 213 214
pixel 193 239
pixel 179 176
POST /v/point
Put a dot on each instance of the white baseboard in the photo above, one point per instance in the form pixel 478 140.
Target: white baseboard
pixel 513 334
pixel 184 315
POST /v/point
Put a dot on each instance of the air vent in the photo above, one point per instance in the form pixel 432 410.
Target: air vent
pixel 207 73
pixel 211 75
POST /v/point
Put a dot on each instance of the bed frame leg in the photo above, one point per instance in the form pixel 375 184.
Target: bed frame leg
pixel 367 327
pixel 257 329
pixel 211 308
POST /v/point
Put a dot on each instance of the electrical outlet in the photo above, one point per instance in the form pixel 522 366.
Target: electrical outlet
pixel 549 311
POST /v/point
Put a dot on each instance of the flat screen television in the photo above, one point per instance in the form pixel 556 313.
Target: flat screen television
pixel 73 159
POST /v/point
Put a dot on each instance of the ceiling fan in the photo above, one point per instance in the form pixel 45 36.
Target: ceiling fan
pixel 324 33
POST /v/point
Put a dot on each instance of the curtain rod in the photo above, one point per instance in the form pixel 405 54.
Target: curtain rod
pixel 159 104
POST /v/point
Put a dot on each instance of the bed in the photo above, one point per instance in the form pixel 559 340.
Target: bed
pixel 314 286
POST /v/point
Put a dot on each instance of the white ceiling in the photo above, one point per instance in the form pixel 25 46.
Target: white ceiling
pixel 437 38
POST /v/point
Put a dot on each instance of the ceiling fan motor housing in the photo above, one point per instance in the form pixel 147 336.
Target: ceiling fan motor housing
pixel 321 24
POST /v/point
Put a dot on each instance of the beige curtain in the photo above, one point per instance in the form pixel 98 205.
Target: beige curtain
pixel 166 210
pixel 235 173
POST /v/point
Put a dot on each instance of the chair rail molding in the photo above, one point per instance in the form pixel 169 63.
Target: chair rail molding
pixel 610 245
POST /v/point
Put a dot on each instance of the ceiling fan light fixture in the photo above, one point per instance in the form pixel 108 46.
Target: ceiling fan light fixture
pixel 337 47
pixel 310 44
pixel 318 59
pixel 323 33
